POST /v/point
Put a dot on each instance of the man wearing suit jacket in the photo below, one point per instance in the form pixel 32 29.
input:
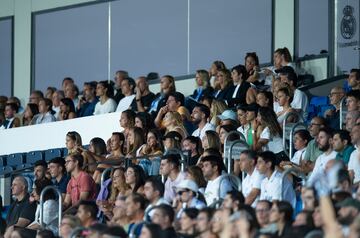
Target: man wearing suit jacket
pixel 10 119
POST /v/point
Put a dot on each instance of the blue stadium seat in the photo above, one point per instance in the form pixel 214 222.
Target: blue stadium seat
pixel 65 151
pixel 34 156
pixel 319 101
pixel 323 109
pixel 15 160
pixel 5 170
pixel 2 160
pixel 52 153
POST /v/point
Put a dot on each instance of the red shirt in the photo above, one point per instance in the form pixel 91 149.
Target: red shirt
pixel 83 183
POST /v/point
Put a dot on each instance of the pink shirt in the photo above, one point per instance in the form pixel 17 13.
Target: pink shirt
pixel 83 183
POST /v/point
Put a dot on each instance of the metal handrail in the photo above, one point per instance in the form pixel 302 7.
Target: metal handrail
pixel 341 112
pixel 291 147
pixel 226 140
pixel 42 204
pixel 104 173
pixel 230 152
pixel 287 115
pixel 284 176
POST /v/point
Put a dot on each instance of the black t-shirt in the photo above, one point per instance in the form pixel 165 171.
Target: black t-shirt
pixel 21 209
pixel 145 101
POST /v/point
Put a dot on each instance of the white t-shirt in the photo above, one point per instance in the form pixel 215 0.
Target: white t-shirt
pixel 108 106
pixel 212 189
pixel 320 164
pixel 300 101
pixel 297 155
pixel 354 164
pixel 271 189
pixel 125 103
pixel 250 182
pixel 275 144
pixel 170 187
pixel 244 130
pixel 201 133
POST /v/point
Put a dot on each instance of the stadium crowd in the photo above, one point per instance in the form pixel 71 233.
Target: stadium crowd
pixel 152 191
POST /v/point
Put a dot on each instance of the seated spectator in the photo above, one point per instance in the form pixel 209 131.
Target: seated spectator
pixel 56 98
pixel 193 145
pixel 117 142
pixel 332 115
pixel 35 96
pixel 73 142
pixel 66 81
pixel 325 143
pixel 187 197
pixel 255 128
pixel 58 174
pixel 170 168
pixel 342 145
pixel 135 140
pixel 67 109
pixel 119 76
pixel 87 212
pixel 203 87
pixel 211 139
pixel 68 224
pixel 272 186
pixel 354 163
pixel 242 92
pixel 106 104
pixel 308 196
pixel 135 178
pixel 127 88
pixel 252 68
pixel 265 99
pixel 223 134
pixel 172 140
pixel 164 217
pixel 251 184
pixel 215 67
pixel 281 214
pixel 300 101
pixel 151 230
pixel 349 210
pixel 88 101
pixel 263 212
pixel 195 174
pixel 95 154
pixel 243 123
pixel 233 200
pixel 154 149
pixel 127 121
pixel 46 114
pixel 71 91
pixel 224 78
pixel 119 217
pixel 30 111
pixel 217 222
pixel 10 120
pixel 212 169
pixel 217 108
pixel 188 222
pixel 135 207
pixel 50 207
pixel 284 97
pixel 81 185
pixel 199 117
pixel 144 96
pixel 172 121
pixel 143 121
pixel 17 101
pixel 353 100
pixel 21 212
pixel 354 79
pixel 40 169
pixel 174 103
pixel 49 92
pixel 228 117
pixel 203 225
pixel 350 119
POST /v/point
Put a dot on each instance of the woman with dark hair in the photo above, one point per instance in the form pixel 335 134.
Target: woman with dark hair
pixel 151 230
pixel 67 109
pixel 188 222
pixel 105 93
pixel 284 97
pixel 30 111
pixel 46 114
pixel 281 214
pixel 127 121
pixel 195 174
pixel 96 153
pixel 242 92
pixel 271 136
pixel 134 141
pixel 265 99
pixel 135 178
pixel 252 67
pixel 143 121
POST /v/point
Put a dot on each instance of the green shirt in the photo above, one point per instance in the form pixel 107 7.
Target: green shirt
pixel 312 151
pixel 344 155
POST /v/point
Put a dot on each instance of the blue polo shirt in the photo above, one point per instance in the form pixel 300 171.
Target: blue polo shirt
pixel 62 184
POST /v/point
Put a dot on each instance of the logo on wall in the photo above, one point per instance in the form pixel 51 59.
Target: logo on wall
pixel 348 23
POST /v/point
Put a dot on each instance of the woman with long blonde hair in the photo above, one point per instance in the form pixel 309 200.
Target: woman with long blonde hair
pixel 217 107
pixel 173 122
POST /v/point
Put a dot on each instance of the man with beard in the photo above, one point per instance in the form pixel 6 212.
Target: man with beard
pixel 324 141
pixel 349 210
pixel 199 117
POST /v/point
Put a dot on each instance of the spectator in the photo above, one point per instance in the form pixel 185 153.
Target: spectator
pixel 212 168
pixel 35 96
pixel 187 191
pixel 217 108
pixel 281 214
pixel 308 197
pixel 127 88
pixel 135 207
pixel 135 178
pixel 211 139
pixel 193 145
pixel 203 87
pixel 195 174
pixel 350 119
pixel 228 117
pixel 255 128
pixel 56 98
pixel 174 102
pixel 21 212
pixel 284 97
pixel 170 168
pixel 117 142
pixel 67 109
pixel 119 217
pixel 17 101
pixel 119 76
pixel 224 78
pixel 215 67
pixel 167 86
pixel 71 91
pixel 154 192
pixel 66 81
pixel 81 185
pixel 203 225
pixel 118 184
pixel 135 140
pixel 73 142
pixel 354 79
pixel 151 230
pixel 349 210
pixel 325 142
pixel 154 149
pixel 172 140
pixel 58 174
pixel 265 99
pixel 333 115
pixel 164 216
pixel 68 224
pixel 143 120
pixel 251 184
pixel 172 121
pixel 353 100
pixel 272 186
pixel 144 96
pixel 354 163
pixel 342 145
pixel 46 114
pixel 199 117
pixel 252 67
pixel 10 120
pixel 30 111
pixel 127 121
pixel 263 212
pixel 233 200
pixel 106 104
pixel 40 168
pixel 96 153
pixel 243 123
pixel 188 222
pixel 88 101
pixel 87 212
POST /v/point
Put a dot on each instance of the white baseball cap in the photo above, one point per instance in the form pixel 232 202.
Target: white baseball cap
pixel 187 184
